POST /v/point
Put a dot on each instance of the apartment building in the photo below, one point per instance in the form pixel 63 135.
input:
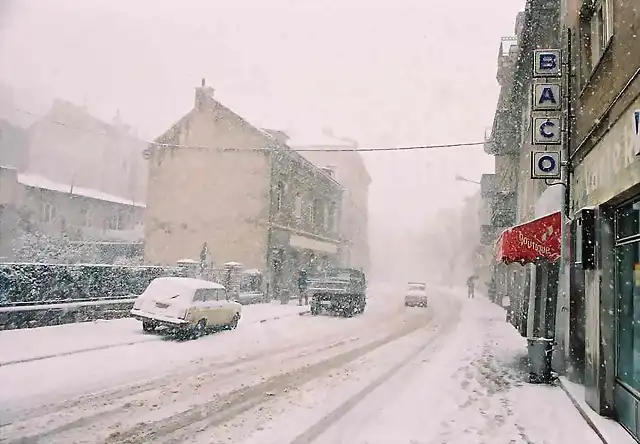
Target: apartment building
pixel 215 179
pixel 46 221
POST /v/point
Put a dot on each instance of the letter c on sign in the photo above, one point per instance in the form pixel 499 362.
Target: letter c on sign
pixel 543 129
pixel 546 163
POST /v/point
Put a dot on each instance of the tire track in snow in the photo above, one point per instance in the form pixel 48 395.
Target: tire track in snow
pixel 128 389
pixel 102 404
pixel 177 428
pixel 324 424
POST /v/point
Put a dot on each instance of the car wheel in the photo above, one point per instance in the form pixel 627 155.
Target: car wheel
pixel 314 310
pixel 234 322
pixel 200 329
pixel 148 327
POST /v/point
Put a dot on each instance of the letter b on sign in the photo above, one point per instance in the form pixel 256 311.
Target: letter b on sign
pixel 547 63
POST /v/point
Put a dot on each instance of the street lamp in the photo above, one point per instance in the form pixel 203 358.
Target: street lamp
pixel 459 178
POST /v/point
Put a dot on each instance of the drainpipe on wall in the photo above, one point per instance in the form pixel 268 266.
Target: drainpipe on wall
pixel 562 326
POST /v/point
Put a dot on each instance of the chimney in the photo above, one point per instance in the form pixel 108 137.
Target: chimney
pixel 204 97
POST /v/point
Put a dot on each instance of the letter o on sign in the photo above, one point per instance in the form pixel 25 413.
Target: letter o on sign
pixel 546 164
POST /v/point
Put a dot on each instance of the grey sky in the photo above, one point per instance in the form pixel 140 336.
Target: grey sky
pixel 385 72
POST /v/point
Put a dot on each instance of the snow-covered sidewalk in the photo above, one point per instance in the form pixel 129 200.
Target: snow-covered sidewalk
pixel 474 392
pixel 40 343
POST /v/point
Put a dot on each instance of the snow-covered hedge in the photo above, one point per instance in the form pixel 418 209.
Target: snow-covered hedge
pixel 39 283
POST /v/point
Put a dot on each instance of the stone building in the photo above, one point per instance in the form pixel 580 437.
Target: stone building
pixel 330 153
pixel 215 179
pixel 46 221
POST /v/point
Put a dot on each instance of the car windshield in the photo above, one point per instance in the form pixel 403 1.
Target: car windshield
pixel 417 287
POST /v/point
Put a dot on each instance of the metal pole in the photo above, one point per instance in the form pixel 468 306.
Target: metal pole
pixel 564 291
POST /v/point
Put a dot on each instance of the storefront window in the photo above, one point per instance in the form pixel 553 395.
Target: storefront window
pixel 628 257
pixel 628 221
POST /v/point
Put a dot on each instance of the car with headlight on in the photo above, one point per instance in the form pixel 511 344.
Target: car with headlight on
pixel 190 306
pixel 416 295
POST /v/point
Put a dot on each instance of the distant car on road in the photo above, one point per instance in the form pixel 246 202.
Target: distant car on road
pixel 191 306
pixel 416 295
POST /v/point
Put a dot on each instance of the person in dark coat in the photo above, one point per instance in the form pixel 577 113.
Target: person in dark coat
pixel 471 283
pixel 302 288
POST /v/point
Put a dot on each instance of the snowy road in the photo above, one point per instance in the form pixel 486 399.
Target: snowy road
pixel 391 375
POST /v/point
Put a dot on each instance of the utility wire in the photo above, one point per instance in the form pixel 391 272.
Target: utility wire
pixel 319 149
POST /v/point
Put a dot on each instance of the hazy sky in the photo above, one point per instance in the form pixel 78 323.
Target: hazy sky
pixel 385 72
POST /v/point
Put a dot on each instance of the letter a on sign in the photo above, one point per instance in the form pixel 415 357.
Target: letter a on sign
pixel 547 97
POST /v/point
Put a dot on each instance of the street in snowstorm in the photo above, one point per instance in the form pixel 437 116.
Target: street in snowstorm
pixel 451 372
pixel 319 222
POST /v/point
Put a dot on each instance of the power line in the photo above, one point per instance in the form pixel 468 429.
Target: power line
pixel 338 148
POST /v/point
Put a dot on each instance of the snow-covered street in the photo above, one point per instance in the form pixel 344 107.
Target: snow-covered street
pixel 450 373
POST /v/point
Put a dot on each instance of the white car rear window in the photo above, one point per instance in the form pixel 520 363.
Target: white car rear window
pixel 163 290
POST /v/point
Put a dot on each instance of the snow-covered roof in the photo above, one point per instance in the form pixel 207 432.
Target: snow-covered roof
pixel 37 181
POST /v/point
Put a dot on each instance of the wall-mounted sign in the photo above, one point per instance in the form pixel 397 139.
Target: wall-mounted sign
pixel 546 130
pixel 546 97
pixel 547 63
pixel 545 165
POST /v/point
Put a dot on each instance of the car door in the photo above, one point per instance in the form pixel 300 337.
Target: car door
pixel 200 306
pixel 227 308
pixel 216 307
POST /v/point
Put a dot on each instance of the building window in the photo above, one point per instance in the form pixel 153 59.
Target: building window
pixel 297 207
pixel 47 212
pixel 89 218
pixel 326 218
pixel 280 196
pixel 113 222
pixel 311 212
pixel 596 32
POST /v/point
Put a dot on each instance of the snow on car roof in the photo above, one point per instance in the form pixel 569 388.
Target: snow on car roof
pixel 188 283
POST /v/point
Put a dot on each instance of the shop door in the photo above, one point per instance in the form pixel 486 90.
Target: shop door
pixel 627 389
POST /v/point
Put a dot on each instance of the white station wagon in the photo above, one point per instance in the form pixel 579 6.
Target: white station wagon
pixel 416 295
pixel 190 305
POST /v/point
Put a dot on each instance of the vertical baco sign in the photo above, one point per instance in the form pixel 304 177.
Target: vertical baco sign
pixel 546 113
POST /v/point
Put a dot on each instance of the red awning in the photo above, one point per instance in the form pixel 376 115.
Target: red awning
pixel 532 241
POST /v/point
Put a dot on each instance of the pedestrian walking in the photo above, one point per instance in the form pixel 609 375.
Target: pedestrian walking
pixel 471 282
pixel 302 287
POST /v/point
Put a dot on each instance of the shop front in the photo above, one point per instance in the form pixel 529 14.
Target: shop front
pixel 289 253
pixel 605 275
pixel 536 246
pixel 627 280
